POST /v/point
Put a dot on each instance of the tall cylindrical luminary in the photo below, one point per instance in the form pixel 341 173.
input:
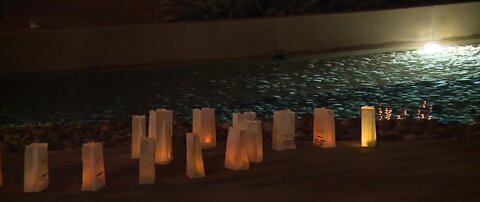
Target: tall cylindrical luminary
pixel 324 127
pixel 369 134
pixel 163 140
pixel 204 125
pixel 138 131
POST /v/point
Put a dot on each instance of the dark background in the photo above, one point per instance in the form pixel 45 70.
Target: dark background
pixel 25 14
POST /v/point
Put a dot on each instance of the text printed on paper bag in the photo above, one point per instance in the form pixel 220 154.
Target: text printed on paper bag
pixel 288 142
pixel 319 140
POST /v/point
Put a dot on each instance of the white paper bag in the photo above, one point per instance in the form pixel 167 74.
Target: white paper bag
pixel 237 117
pixel 253 134
pixel 36 167
pixel 138 131
pixel 254 141
pixel 324 127
pixel 369 132
pixel 152 124
pixel 93 177
pixel 283 130
pixel 194 156
pixel 163 144
pixel 147 161
pixel 236 157
pixel 249 115
pixel 204 125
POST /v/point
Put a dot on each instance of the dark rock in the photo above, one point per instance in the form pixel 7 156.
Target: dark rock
pixel 390 136
pixel 410 137
pixel 442 131
pixel 395 133
pixel 117 140
pixel 417 128
pixel 106 127
pixel 69 144
pixel 123 126
pixel 126 143
pixel 106 136
pixel 12 142
pixel 225 125
pixel 402 126
pixel 345 123
pixel 301 135
pixel 267 127
pixel 222 135
pixel 39 132
pixel 107 144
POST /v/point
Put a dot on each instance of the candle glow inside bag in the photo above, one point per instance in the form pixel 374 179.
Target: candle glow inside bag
pixel 369 133
pixel 236 157
pixel 204 125
pixel 254 140
pixel 93 175
pixel 194 156
pixel 163 142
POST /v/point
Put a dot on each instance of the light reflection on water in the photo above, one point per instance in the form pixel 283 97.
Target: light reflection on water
pixel 449 80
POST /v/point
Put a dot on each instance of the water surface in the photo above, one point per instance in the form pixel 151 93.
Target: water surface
pixel 449 80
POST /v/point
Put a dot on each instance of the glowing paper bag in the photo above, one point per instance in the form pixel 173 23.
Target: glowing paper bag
pixel 147 161
pixel 253 134
pixel 204 125
pixel 194 156
pixel 152 124
pixel 283 130
pixel 254 141
pixel 138 131
pixel 36 167
pixel 324 127
pixel 163 144
pixel 369 132
pixel 236 157
pixel 93 177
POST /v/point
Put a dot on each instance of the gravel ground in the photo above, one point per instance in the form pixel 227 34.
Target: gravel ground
pixel 434 170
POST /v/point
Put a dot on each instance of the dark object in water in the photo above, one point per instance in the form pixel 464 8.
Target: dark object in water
pixel 279 55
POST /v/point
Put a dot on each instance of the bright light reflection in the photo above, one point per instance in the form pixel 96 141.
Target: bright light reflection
pixel 432 47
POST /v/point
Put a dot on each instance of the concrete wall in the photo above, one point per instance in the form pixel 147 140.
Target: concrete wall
pixel 41 50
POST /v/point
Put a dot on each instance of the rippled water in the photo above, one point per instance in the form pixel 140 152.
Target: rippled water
pixel 450 80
